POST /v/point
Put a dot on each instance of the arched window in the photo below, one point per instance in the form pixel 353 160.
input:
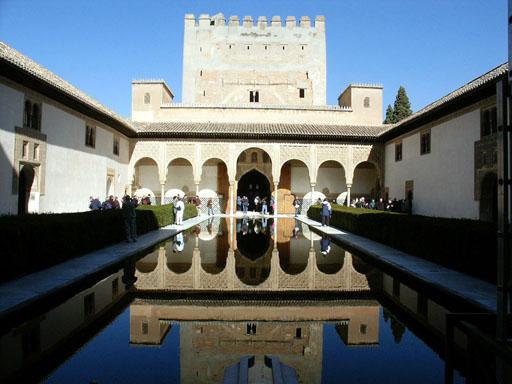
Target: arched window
pixel 366 102
pixel 36 117
pixel 254 157
pixel 27 114
pixel 147 98
pixel 243 157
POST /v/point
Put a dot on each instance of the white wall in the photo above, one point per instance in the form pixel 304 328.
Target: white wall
pixel 331 178
pixel 11 115
pixel 74 171
pixel 181 177
pixel 300 183
pixel 443 179
pixel 363 181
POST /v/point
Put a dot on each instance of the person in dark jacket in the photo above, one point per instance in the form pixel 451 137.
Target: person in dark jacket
pixel 326 212
pixel 130 218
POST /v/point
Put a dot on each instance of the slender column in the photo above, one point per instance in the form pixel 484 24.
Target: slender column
pixel 197 187
pixel 162 191
pixel 313 193
pixel 275 198
pixel 232 199
pixel 348 194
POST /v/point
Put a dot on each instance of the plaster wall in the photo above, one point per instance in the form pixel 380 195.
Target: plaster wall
pixel 331 179
pixel 11 115
pixel 74 171
pixel 329 115
pixel 444 178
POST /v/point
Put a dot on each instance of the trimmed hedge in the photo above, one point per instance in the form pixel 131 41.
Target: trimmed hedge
pixel 468 246
pixel 34 242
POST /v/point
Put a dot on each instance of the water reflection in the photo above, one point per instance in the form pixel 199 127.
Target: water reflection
pixel 221 254
pixel 213 339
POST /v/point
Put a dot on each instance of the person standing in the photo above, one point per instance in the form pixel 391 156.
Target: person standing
pixel 180 208
pixel 296 205
pixel 130 219
pixel 326 212
pixel 264 206
pixel 238 203
pixel 210 207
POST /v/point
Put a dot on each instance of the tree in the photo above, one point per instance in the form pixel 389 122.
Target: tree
pixel 389 115
pixel 401 109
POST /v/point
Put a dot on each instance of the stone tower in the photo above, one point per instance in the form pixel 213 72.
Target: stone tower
pixel 242 62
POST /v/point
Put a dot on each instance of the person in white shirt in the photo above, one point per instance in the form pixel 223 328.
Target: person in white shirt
pixel 180 208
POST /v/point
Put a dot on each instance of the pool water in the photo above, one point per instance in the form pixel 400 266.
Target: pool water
pixel 227 289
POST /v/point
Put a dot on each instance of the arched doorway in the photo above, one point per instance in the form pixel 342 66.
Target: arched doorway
pixel 489 198
pixel 179 179
pixel 26 179
pixel 252 184
pixel 214 186
pixel 146 180
pixel 366 181
pixel 331 182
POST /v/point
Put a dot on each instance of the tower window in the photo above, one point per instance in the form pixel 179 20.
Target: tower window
pixel 204 93
pixel 251 328
pixel 307 75
pixel 366 102
pixel 302 93
pixel 254 97
pixel 298 333
pixel 147 98
pixel 200 73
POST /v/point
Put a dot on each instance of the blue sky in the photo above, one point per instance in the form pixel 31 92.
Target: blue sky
pixel 431 47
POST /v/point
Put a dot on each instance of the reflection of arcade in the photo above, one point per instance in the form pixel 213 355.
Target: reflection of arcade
pixel 210 338
pixel 253 238
pixel 254 251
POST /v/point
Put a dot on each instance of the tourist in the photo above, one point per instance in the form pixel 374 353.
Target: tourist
pixel 178 243
pixel 115 203
pixel 326 212
pixel 94 204
pixel 130 219
pixel 296 205
pixel 174 202
pixel 238 203
pixel 210 207
pixel 180 208
pixel 264 209
pixel 273 204
pixel 372 204
pixel 325 245
pixel 380 204
pixel 245 204
pixel 256 204
pixel 105 206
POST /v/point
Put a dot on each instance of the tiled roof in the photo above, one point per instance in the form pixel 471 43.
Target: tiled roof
pixel 258 130
pixel 486 78
pixel 32 68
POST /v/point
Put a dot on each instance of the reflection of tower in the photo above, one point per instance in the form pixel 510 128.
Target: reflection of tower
pixel 206 348
pixel 210 338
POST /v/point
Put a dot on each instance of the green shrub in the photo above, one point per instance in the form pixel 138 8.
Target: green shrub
pixel 465 245
pixel 33 242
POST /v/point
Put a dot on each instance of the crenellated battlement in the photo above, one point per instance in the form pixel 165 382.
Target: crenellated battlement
pixel 262 22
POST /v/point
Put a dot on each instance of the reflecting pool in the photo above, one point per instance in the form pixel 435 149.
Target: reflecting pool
pixel 201 301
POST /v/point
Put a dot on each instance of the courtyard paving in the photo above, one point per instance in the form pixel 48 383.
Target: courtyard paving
pixel 473 290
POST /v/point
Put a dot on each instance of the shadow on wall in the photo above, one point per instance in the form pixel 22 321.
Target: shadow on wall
pixel 8 199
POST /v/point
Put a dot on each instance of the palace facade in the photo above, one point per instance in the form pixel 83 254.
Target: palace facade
pixel 254 122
